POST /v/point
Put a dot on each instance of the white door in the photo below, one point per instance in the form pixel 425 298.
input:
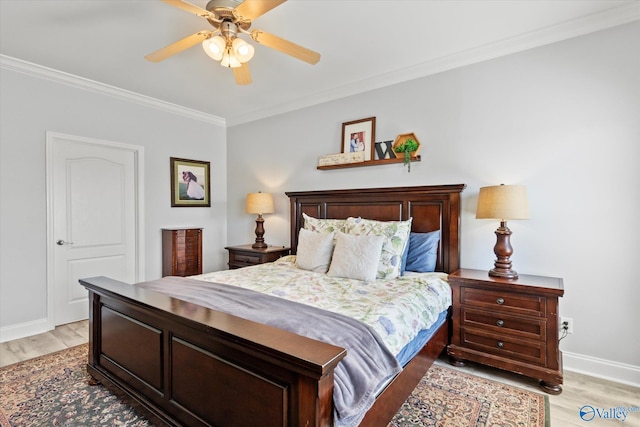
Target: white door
pixel 92 192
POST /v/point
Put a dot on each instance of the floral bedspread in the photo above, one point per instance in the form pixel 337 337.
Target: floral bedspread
pixel 396 309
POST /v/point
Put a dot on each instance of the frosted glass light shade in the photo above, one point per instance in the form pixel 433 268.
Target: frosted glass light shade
pixel 260 203
pixel 214 47
pixel 243 50
pixel 503 202
pixel 229 59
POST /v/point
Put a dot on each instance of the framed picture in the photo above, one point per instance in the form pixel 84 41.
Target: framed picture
pixel 359 135
pixel 190 183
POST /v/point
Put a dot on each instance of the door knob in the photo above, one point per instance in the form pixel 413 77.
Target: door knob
pixel 62 242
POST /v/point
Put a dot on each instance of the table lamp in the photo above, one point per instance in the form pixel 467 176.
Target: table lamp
pixel 259 203
pixel 503 202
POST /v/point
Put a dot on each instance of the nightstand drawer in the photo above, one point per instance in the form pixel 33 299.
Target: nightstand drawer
pixel 241 258
pixel 523 327
pixel 503 302
pixel 247 255
pixel 505 345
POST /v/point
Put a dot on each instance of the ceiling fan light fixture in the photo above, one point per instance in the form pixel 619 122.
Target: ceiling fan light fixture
pixel 243 50
pixel 214 47
pixel 229 59
pixel 231 19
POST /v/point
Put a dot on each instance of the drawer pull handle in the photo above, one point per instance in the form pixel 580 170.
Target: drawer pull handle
pixel 500 301
pixel 500 322
pixel 500 344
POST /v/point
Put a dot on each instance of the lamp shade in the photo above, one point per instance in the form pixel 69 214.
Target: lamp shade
pixel 503 202
pixel 229 59
pixel 260 203
pixel 214 47
pixel 243 50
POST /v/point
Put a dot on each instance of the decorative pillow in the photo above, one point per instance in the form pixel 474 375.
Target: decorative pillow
pixel 323 225
pixel 422 252
pixel 356 257
pixel 396 236
pixel 314 250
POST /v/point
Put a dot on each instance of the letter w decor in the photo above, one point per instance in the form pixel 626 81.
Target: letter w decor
pixel 384 150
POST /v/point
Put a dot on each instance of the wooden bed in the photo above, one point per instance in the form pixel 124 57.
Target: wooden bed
pixel 184 364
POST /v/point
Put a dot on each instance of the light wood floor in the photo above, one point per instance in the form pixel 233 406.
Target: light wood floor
pixel 578 390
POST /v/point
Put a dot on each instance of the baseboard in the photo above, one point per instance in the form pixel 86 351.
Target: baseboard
pixel 27 329
pixel 601 368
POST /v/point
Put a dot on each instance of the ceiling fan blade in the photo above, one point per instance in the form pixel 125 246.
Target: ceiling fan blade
pixel 242 74
pixel 178 46
pixel 251 9
pixel 285 46
pixel 190 8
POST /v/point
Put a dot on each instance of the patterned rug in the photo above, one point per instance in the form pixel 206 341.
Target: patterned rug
pixel 53 390
pixel 445 397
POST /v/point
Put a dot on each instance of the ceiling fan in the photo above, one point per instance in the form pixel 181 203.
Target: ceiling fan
pixel 230 18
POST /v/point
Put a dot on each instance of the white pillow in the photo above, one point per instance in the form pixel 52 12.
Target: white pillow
pixel 396 236
pixel 314 250
pixel 356 257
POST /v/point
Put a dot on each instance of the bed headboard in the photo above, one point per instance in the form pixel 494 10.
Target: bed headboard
pixel 431 207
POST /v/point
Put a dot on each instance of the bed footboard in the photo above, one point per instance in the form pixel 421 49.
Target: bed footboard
pixel 183 364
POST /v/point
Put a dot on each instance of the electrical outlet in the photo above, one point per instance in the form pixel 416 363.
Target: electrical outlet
pixel 566 323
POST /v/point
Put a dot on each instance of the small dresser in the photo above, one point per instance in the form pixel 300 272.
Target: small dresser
pixel 181 251
pixel 245 256
pixel 508 324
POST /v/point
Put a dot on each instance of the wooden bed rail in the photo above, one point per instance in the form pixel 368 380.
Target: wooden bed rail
pixel 192 365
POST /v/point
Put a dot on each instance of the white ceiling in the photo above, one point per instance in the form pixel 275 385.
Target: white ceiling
pixel 364 45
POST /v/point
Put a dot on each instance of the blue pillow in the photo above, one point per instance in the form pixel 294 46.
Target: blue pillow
pixel 421 252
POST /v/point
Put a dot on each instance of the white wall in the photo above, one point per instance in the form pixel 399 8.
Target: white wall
pixel 564 120
pixel 32 104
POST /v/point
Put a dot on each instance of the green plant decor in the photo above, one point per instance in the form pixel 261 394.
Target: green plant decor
pixel 407 147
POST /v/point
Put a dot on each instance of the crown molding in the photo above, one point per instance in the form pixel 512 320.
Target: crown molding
pixel 39 71
pixel 577 27
pixel 573 28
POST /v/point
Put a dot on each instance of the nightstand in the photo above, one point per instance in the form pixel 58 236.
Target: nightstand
pixel 245 255
pixel 508 324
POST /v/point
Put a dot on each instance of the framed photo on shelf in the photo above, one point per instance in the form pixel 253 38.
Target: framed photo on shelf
pixel 190 183
pixel 359 135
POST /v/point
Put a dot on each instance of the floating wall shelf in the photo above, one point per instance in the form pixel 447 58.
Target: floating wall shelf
pixel 368 163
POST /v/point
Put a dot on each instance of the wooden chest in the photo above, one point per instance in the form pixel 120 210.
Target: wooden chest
pixel 181 251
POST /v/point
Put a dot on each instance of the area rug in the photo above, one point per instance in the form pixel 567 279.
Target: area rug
pixel 445 397
pixel 53 390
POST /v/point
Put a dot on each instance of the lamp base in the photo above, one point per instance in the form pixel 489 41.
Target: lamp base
pixel 505 273
pixel 260 243
pixel 503 250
